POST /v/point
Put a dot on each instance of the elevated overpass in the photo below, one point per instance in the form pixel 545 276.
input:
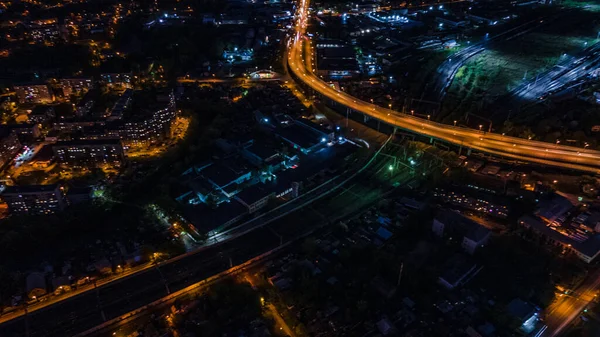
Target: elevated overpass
pixel 300 54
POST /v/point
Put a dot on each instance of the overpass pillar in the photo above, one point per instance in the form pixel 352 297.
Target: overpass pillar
pixel 468 152
pixel 431 140
pixel 365 118
pixel 347 114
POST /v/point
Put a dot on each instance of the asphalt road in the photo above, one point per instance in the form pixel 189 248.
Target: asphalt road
pixel 560 316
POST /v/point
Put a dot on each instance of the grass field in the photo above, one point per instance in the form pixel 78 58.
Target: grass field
pixel 505 65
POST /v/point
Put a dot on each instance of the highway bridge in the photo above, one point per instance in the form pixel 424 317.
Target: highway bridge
pixel 300 62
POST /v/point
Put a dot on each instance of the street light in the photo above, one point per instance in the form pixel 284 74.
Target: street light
pixel 455 123
pixel 391 167
pixel 480 126
pixel 428 117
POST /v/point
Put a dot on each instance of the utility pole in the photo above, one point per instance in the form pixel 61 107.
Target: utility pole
pixel 26 321
pixel 347 112
pixel 400 274
pixel 162 277
pixel 278 235
pixel 98 299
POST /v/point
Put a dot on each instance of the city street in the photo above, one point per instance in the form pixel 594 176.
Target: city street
pixel 561 314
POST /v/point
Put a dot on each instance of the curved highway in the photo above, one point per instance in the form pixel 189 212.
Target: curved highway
pixel 510 147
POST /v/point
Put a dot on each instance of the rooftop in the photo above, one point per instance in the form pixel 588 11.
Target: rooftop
pixel 206 219
pixel 338 64
pixel 551 209
pixel 472 229
pixel 225 172
pixel 589 247
pixel 30 189
pixel 109 141
pixel 457 268
pixel 520 309
pixel 300 136
pixel 337 53
pixel 254 193
pixel 262 150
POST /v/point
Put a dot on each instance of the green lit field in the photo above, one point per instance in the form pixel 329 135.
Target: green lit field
pixel 505 65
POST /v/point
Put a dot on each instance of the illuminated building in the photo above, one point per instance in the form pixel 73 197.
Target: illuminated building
pixel 116 79
pixel 75 85
pixel 84 107
pixel 25 131
pixel 305 136
pixel 41 114
pixel 89 152
pixel 34 93
pixel 447 223
pixel 144 123
pixel 337 61
pixel 122 103
pixel 524 313
pixel 149 126
pixel 9 146
pixel 44 30
pixel 34 199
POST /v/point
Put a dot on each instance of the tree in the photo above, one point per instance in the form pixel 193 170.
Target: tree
pixel 309 246
pixel 8 288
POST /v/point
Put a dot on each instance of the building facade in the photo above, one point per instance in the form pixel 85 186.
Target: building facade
pixel 75 85
pixel 9 146
pixel 150 129
pixel 34 199
pixel 34 93
pixel 89 152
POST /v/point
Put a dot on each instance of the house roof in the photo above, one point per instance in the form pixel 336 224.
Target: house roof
pixel 108 141
pixel 305 138
pixel 553 208
pixel 384 233
pixel 30 189
pixel 206 219
pixel 254 193
pixel 221 174
pixel 589 247
pixel 457 268
pixel 262 150
pixel 472 230
pixel 520 309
